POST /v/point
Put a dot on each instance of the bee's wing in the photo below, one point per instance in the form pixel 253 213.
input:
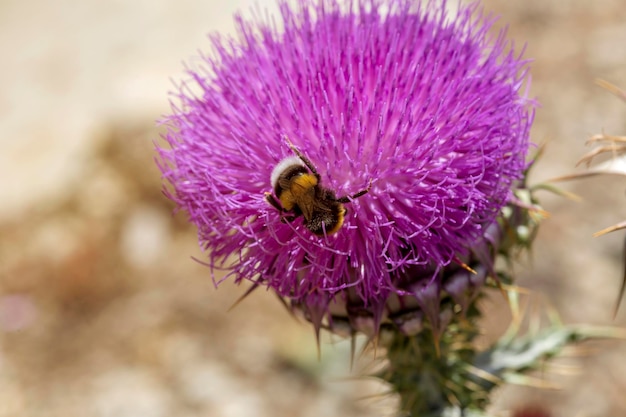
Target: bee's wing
pixel 308 204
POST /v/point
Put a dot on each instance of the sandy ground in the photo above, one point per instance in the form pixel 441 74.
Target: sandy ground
pixel 104 313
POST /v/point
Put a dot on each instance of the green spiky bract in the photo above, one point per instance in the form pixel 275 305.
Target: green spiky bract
pixel 432 375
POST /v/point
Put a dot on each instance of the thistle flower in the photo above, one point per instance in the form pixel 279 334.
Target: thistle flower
pixel 423 104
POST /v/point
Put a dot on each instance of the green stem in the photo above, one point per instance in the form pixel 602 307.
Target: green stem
pixel 433 377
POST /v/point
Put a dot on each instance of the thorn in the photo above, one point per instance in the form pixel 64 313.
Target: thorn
pixel 317 343
pixel 615 227
pixel 284 303
pixel 529 381
pixel 246 294
pixel 315 314
pixel 513 302
pixel 373 342
pixel 464 266
pixel 482 374
pixel 612 88
pixel 502 290
pixel 436 338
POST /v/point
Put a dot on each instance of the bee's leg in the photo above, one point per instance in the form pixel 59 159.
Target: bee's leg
pixel 269 197
pixel 348 199
pixel 304 159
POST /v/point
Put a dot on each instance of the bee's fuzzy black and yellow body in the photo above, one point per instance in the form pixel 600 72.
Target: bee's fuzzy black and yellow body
pixel 297 192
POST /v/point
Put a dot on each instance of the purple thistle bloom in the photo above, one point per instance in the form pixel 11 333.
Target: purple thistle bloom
pixel 425 105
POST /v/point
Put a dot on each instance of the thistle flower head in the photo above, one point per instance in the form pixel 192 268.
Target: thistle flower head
pixel 423 104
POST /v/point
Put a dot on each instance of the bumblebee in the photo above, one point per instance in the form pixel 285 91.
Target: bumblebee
pixel 298 192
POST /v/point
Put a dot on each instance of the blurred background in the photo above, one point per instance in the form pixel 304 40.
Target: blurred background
pixel 103 311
